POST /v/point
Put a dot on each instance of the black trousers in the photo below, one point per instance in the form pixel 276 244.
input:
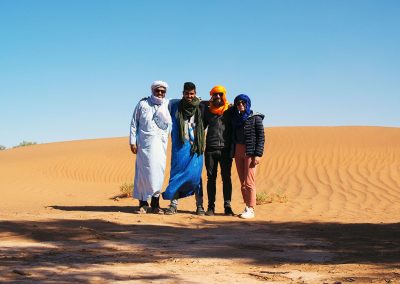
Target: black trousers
pixel 213 157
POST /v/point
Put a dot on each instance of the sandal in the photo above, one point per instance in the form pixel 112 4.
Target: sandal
pixel 142 210
pixel 171 210
pixel 157 210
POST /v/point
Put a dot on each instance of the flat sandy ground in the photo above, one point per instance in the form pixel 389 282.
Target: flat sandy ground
pixel 333 217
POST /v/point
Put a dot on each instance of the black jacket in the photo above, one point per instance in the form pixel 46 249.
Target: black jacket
pixel 253 134
pixel 219 129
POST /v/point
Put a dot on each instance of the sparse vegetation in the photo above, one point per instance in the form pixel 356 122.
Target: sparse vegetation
pixel 125 189
pixel 2 147
pixel 25 143
pixel 264 198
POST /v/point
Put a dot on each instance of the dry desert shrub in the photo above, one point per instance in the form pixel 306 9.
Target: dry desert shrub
pixel 264 198
pixel 125 189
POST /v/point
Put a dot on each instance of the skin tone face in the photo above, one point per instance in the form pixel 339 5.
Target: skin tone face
pixel 189 95
pixel 216 99
pixel 241 106
pixel 159 92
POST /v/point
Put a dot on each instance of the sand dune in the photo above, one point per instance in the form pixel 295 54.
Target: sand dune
pixel 336 218
pixel 324 173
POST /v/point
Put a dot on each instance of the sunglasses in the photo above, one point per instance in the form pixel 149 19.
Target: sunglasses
pixel 241 103
pixel 160 91
pixel 218 94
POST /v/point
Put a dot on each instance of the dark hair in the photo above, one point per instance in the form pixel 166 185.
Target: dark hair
pixel 188 86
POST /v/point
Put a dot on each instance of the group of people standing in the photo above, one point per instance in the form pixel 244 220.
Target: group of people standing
pixel 213 130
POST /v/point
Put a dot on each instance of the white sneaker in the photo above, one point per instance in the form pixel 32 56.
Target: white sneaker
pixel 244 211
pixel 248 213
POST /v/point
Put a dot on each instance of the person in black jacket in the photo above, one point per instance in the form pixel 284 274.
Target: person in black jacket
pixel 248 139
pixel 217 118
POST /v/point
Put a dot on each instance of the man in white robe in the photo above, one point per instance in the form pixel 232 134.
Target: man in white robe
pixel 150 127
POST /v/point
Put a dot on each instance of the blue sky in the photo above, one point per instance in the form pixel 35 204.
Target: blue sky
pixel 75 69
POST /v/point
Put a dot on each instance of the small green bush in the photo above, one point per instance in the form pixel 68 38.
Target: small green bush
pixel 25 143
pixel 2 147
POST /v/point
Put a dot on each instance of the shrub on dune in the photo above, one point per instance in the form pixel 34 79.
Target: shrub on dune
pixel 264 198
pixel 25 143
pixel 125 189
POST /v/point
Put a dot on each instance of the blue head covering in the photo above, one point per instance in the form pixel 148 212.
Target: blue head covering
pixel 240 118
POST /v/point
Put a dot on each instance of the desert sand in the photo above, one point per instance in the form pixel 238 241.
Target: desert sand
pixel 334 216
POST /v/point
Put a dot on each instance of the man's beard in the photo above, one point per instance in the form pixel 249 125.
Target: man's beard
pixel 217 102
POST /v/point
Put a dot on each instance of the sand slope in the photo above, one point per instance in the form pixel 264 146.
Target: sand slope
pixel 324 173
pixel 338 222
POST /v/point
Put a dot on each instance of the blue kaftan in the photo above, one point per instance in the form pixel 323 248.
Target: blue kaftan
pixel 185 176
pixel 151 142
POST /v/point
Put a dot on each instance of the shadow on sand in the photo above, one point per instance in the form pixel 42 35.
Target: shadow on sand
pixel 83 243
pixel 123 209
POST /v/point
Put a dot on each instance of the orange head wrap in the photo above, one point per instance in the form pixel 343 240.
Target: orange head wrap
pixel 219 110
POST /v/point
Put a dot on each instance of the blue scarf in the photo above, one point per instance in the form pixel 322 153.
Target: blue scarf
pixel 239 118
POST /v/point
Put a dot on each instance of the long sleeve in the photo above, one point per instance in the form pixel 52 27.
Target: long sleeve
pixel 204 109
pixel 134 124
pixel 260 136
pixel 171 103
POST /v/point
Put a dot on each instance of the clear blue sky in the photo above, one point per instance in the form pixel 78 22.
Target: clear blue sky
pixel 72 69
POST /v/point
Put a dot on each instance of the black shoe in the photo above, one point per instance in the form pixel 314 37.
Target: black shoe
pixel 200 211
pixel 210 211
pixel 228 211
pixel 171 210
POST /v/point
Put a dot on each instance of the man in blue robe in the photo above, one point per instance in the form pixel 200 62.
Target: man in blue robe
pixel 187 150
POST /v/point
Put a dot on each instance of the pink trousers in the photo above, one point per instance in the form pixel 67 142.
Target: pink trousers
pixel 246 175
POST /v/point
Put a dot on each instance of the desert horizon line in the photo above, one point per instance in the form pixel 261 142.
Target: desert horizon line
pixel 31 142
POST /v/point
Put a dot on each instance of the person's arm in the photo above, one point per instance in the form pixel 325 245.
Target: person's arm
pixel 171 103
pixel 260 138
pixel 204 109
pixel 134 128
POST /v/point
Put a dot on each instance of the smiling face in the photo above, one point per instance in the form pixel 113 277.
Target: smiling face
pixel 241 106
pixel 159 92
pixel 189 95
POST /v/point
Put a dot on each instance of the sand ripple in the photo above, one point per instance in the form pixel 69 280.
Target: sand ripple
pixel 324 172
